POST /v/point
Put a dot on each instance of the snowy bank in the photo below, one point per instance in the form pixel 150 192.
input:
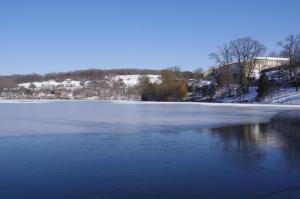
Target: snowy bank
pixel 280 96
pixel 211 104
pixel 284 96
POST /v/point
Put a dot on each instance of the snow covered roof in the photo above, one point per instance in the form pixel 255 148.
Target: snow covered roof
pixel 202 83
pixel 257 58
pixel 273 58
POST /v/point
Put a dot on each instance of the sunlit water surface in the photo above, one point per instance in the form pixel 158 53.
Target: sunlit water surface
pixel 135 150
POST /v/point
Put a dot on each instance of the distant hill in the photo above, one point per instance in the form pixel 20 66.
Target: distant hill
pixel 11 81
pixel 83 84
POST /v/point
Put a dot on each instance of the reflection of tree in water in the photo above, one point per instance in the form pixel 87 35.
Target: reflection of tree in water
pixel 243 143
pixel 287 126
pixel 249 143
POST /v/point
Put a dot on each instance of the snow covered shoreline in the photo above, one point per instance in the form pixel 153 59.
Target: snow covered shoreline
pixel 42 101
pixel 212 104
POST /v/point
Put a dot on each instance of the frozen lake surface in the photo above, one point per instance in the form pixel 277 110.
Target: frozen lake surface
pixel 92 149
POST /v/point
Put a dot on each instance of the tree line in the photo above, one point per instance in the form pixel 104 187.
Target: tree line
pixel 11 81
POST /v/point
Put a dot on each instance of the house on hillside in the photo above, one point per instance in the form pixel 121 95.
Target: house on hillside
pixel 263 63
pixel 204 90
pixel 260 64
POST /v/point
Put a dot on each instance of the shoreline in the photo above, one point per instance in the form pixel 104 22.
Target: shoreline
pixel 212 104
pixel 37 101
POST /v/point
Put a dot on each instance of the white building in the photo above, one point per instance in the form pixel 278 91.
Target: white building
pixel 260 63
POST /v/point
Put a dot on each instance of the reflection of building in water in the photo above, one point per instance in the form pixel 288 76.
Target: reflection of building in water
pixel 256 129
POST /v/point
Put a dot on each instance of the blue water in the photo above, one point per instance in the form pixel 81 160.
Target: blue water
pixel 115 150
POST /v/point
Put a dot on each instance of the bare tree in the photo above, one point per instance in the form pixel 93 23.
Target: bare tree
pixel 6 83
pixel 224 57
pixel 291 49
pixel 245 51
pixel 198 73
pixel 175 69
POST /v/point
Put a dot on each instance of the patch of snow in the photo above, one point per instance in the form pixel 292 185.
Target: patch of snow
pixel 86 83
pixel 133 80
pixel 255 74
pixel 24 101
pixel 284 96
pixel 92 98
pixel 67 84
pixel 281 96
pixel 199 83
pixel 248 97
pixel 203 83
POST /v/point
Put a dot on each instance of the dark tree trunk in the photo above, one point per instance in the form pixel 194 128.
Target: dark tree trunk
pixel 229 90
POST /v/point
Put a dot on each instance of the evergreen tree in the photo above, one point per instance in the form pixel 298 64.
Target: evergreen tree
pixel 263 86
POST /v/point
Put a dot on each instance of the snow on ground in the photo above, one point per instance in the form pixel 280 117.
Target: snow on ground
pixel 24 101
pixel 255 74
pixel 248 97
pixel 284 106
pixel 203 83
pixel 281 96
pixel 49 83
pixel 229 104
pixel 67 84
pixel 132 80
pixel 284 96
pixel 129 80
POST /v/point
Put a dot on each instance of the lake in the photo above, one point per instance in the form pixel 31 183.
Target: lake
pixel 94 149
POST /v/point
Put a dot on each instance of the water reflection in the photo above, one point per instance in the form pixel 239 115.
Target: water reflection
pixel 104 150
pixel 250 143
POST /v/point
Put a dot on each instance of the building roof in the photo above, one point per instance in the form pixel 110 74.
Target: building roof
pixel 273 58
pixel 208 72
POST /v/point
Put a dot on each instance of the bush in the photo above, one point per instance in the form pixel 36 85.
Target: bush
pixel 171 88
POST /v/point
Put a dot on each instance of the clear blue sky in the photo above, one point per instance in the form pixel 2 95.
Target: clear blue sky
pixel 61 35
